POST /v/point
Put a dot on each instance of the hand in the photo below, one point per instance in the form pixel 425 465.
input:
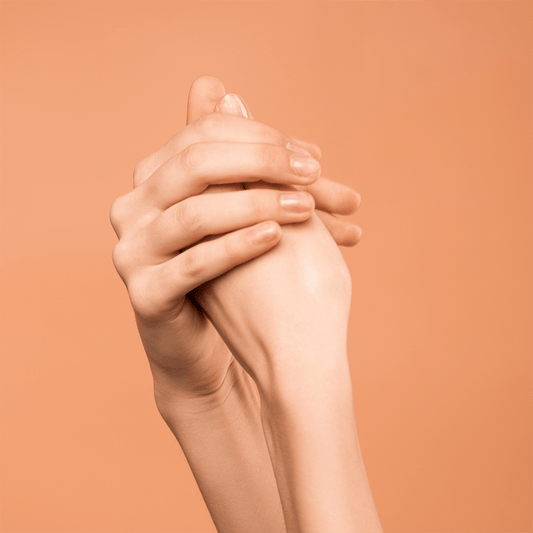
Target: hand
pixel 331 198
pixel 190 360
pixel 284 315
pixel 165 214
pixel 240 325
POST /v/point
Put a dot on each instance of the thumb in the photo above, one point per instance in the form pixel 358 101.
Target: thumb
pixel 204 93
pixel 233 104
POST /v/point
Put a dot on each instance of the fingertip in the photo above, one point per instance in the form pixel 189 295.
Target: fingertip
pixel 265 234
pixel 207 83
pixel 358 233
pixel 233 104
pixel 311 148
pixel 351 236
pixel 357 200
pixel 349 201
pixel 317 152
pixel 353 203
pixel 204 93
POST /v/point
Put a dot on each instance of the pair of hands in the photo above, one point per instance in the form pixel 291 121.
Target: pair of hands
pixel 166 247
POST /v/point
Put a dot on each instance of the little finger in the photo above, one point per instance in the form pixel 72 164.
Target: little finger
pixel 211 259
pixel 343 233
pixel 333 197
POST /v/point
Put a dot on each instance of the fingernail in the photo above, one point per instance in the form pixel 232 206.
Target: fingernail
pixel 304 165
pixel 291 145
pixel 358 231
pixel 233 105
pixel 263 234
pixel 296 202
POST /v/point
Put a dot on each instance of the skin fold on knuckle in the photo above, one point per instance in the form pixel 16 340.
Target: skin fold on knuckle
pixel 235 248
pixel 187 217
pixel 119 213
pixel 191 158
pixel 144 300
pixel 122 259
pixel 209 126
pixel 191 265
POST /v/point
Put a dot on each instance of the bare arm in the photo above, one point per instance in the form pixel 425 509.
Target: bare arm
pixel 222 438
pixel 210 404
pixel 296 353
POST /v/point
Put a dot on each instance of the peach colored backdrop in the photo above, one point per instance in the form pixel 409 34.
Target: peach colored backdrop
pixel 424 107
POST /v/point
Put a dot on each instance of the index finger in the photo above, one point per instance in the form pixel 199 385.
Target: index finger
pixel 217 127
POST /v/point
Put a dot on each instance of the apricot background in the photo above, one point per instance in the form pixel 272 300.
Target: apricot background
pixel 424 107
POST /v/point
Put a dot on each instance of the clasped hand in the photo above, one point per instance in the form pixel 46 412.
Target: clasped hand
pixel 167 226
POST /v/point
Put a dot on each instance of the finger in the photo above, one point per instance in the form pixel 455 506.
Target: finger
pixel 188 222
pixel 211 259
pixel 233 104
pixel 344 233
pixel 333 197
pixel 313 149
pixel 204 164
pixel 204 93
pixel 214 127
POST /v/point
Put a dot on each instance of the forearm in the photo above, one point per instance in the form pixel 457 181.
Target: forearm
pixel 310 431
pixel 284 315
pixel 223 442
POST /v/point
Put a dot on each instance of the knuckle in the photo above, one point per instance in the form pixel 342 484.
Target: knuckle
pixel 190 159
pixel 149 296
pixel 209 125
pixel 140 298
pixel 315 150
pixel 121 257
pixel 141 171
pixel 187 216
pixel 118 213
pixel 190 265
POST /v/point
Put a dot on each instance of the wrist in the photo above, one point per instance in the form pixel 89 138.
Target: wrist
pixel 181 408
pixel 309 426
pixel 294 375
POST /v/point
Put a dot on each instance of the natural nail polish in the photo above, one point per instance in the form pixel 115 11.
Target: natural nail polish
pixel 296 202
pixel 304 165
pixel 291 145
pixel 263 234
pixel 233 105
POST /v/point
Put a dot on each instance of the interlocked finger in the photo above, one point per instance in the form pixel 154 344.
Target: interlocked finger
pixel 203 164
pixel 343 233
pixel 214 127
pixel 189 221
pixel 210 259
pixel 333 197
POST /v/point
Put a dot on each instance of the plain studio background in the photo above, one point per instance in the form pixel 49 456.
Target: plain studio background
pixel 425 108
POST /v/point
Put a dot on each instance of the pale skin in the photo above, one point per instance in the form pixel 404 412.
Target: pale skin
pixel 246 332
